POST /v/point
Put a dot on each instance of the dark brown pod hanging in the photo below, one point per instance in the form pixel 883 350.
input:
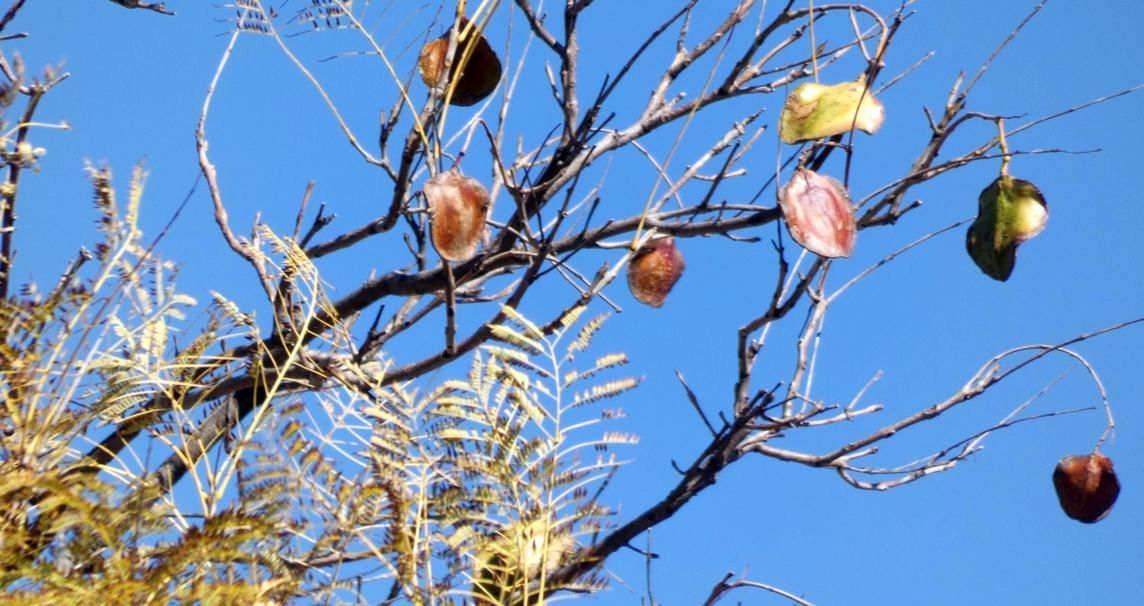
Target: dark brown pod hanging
pixel 654 270
pixel 1086 486
pixel 479 75
pixel 458 208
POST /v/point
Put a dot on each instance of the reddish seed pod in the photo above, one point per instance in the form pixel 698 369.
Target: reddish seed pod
pixel 654 270
pixel 479 74
pixel 819 214
pixel 1086 486
pixel 458 209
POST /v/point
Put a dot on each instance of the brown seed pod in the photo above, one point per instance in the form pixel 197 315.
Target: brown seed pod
pixel 819 214
pixel 654 269
pixel 1086 486
pixel 458 208
pixel 479 75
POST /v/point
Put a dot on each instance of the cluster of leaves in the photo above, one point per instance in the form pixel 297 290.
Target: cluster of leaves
pixel 472 490
pixel 525 501
pixel 76 361
pixel 480 477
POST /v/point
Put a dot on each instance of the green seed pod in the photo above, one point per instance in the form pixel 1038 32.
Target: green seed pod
pixel 1009 212
pixel 816 111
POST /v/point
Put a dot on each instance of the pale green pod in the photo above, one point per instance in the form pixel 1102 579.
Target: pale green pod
pixel 1009 212
pixel 817 111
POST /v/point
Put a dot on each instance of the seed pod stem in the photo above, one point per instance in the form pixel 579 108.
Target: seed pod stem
pixel 1005 157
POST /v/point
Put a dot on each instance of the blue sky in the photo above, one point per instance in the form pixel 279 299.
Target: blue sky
pixel 989 532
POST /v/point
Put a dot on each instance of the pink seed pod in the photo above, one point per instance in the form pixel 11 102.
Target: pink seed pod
pixel 458 208
pixel 654 270
pixel 819 214
pixel 1086 486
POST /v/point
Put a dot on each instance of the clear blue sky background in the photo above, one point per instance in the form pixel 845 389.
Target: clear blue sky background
pixel 990 532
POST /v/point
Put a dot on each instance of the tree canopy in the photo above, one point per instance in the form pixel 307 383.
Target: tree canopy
pixel 497 302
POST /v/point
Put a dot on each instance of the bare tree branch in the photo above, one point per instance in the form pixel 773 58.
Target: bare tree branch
pixel 158 7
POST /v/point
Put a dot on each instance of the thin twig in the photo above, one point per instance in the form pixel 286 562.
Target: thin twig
pixel 691 397
pixel 10 14
pixel 726 586
pixel 157 7
pixel 240 248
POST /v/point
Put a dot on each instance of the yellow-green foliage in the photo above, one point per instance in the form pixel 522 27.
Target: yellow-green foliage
pixel 475 490
pixel 94 355
pixel 523 504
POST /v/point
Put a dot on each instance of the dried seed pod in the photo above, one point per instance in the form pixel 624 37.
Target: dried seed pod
pixel 479 75
pixel 1086 486
pixel 458 208
pixel 654 269
pixel 816 111
pixel 819 214
pixel 1009 212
